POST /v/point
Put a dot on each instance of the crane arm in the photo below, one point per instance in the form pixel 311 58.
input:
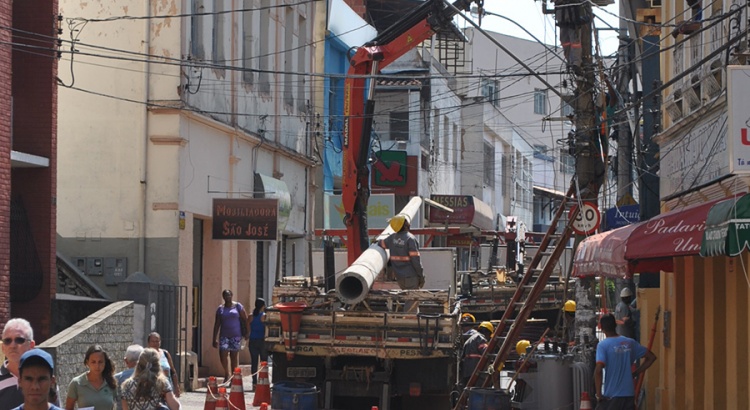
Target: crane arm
pixel 409 31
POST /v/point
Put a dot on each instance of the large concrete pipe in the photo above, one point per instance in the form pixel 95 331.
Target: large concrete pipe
pixel 355 282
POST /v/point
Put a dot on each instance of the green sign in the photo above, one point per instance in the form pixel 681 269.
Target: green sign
pixel 390 168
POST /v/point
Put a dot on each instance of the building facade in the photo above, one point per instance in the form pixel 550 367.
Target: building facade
pixel 192 102
pixel 28 140
pixel 536 116
pixel 706 297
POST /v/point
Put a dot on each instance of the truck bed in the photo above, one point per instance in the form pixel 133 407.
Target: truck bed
pixel 389 324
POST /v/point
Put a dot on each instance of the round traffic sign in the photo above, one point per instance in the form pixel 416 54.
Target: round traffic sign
pixel 587 221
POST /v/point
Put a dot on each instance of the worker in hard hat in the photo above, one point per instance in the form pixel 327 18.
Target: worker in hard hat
pixel 624 314
pixel 404 253
pixel 473 349
pixel 569 320
pixel 522 347
pixel 468 318
pixel 468 323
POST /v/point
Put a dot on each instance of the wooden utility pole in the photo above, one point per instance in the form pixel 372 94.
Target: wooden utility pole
pixel 587 149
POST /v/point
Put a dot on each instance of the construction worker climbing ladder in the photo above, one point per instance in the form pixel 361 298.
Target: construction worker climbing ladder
pixel 404 253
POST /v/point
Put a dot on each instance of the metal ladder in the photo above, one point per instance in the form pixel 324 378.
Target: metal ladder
pixel 527 293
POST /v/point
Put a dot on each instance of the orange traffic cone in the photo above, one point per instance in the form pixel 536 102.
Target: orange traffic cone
pixel 210 393
pixel 237 394
pixel 290 314
pixel 263 388
pixel 585 402
pixel 221 403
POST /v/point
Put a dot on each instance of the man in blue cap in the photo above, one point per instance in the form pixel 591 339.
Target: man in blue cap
pixel 36 377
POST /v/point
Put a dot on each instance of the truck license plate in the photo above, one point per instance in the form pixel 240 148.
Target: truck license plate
pixel 301 372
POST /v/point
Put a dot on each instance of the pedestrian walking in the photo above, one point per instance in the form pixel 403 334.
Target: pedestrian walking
pixel 148 388
pixel 228 332
pixel 613 376
pixel 18 338
pixel 131 359
pixel 257 338
pixel 165 361
pixel 404 253
pixel 96 388
pixel 37 378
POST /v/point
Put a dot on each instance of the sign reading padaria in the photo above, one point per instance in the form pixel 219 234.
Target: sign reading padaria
pixel 248 219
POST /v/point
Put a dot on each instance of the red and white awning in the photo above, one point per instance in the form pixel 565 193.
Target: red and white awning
pixel 648 246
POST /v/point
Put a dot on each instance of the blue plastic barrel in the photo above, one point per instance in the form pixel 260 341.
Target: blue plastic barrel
pixel 488 399
pixel 294 396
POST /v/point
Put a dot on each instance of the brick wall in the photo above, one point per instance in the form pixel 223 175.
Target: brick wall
pixel 5 120
pixel 34 88
pixel 111 327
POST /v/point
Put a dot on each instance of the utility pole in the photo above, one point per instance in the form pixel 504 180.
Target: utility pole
pixel 623 133
pixel 576 21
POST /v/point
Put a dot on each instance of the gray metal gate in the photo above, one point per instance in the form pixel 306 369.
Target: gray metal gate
pixel 171 322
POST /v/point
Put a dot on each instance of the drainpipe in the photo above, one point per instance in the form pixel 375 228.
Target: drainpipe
pixel 144 158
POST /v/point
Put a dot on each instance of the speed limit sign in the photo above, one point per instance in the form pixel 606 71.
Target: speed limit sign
pixel 587 221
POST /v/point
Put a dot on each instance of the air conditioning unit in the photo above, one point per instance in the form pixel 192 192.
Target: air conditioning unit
pixel 673 105
pixel 712 81
pixel 692 93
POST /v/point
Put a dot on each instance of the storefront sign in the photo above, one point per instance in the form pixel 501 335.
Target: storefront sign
pixel 380 208
pixel 462 241
pixel 247 219
pixel 738 100
pixel 467 210
pixel 620 216
pixel 394 173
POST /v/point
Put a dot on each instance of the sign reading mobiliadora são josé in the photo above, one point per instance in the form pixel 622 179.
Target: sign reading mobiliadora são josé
pixel 248 219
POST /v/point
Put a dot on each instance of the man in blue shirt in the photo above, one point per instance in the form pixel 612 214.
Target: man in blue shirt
pixel 36 377
pixel 131 359
pixel 614 358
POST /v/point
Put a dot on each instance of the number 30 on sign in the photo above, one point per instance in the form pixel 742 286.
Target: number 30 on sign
pixel 587 221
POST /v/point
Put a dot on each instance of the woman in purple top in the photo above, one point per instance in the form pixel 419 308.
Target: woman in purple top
pixel 228 331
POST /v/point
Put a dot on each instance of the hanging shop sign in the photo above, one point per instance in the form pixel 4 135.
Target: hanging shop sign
pixel 245 219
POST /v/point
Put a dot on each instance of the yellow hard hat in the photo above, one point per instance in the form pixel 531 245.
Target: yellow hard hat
pixel 570 306
pixel 397 222
pixel 488 326
pixel 521 346
pixel 468 317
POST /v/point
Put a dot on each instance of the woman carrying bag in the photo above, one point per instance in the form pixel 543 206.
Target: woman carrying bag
pixel 228 332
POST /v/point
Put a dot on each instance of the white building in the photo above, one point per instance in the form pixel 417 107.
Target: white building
pixel 200 100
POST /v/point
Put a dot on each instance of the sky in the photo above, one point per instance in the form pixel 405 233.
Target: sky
pixel 528 13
